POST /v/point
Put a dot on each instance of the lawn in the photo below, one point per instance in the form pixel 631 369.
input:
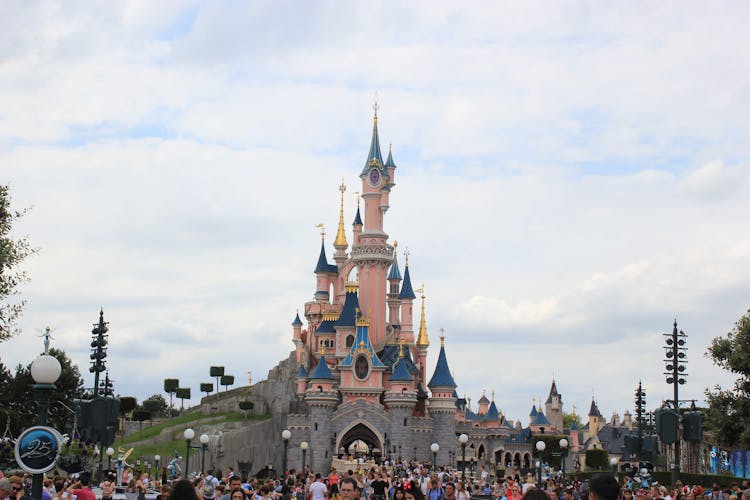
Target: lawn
pixel 150 431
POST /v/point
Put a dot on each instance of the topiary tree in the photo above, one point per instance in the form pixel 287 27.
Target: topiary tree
pixel 127 404
pixel 217 372
pixel 207 387
pixel 139 416
pixel 246 407
pixel 597 459
pixel 182 394
pixel 226 381
pixel 170 386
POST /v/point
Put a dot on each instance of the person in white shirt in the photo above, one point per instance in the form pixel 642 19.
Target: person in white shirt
pixel 318 490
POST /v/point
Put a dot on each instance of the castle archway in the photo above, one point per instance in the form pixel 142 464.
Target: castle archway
pixel 357 434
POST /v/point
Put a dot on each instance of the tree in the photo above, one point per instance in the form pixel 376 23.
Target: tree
pixel 569 418
pixel 170 386
pixel 18 395
pixel 597 459
pixel 207 387
pixel 246 407
pixel 156 405
pixel 139 416
pixel 216 371
pixel 183 393
pixel 12 252
pixel 226 381
pixel 728 414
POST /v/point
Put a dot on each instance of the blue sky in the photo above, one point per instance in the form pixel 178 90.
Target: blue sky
pixel 571 177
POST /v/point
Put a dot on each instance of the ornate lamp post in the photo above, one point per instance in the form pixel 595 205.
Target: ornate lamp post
pixel 189 434
pixel 157 459
pixel 285 435
pixel 613 462
pixel 563 455
pixel 434 448
pixel 204 439
pixel 110 452
pixel 540 446
pixel 463 439
pixel 45 370
pixel 304 445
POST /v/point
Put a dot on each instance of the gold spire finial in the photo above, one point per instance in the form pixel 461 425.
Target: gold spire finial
pixel 360 318
pixel 340 242
pixel 322 230
pixel 493 394
pixel 442 341
pixel 375 106
pixel 406 255
pixel 323 351
pixel 422 339
pixel 401 343
pixel 356 196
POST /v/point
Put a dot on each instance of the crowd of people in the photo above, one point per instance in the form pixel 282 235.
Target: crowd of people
pixel 401 481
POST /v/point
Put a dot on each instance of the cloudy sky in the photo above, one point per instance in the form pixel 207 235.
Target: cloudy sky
pixel 572 177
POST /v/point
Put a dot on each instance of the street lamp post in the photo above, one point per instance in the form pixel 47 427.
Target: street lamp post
pixel 110 452
pixel 463 439
pixel 45 370
pixel 613 462
pixel 563 455
pixel 189 434
pixel 285 435
pixel 434 448
pixel 540 446
pixel 204 439
pixel 157 459
pixel 304 445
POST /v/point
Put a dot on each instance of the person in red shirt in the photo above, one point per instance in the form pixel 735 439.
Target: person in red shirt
pixel 81 489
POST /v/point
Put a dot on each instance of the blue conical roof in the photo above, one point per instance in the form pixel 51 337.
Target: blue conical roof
pixel 374 157
pixel 533 413
pixel 322 371
pixel 394 273
pixel 357 219
pixel 389 160
pixel 442 376
pixel 407 292
pixel 348 314
pixel 323 265
pixel 401 372
pixel 302 373
pixel 297 321
pixel 492 413
pixel 540 419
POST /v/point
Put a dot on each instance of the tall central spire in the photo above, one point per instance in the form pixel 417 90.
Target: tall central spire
pixel 375 156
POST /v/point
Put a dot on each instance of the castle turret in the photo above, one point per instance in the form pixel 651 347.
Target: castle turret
pixel 394 279
pixel 553 408
pixel 372 255
pixel 443 406
pixel 390 166
pixel 406 296
pixel 321 399
pixel 301 380
pixel 401 400
pixel 594 419
pixel 357 224
pixel 325 273
pixel 627 420
pixel 299 345
pixel 484 404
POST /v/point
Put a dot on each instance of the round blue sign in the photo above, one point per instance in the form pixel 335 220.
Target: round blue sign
pixel 37 449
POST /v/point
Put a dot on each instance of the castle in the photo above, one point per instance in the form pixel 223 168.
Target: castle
pixel 362 366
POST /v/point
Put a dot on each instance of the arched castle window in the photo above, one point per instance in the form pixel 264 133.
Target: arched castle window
pixel 349 340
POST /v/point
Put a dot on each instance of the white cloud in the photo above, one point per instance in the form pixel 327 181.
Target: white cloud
pixel 569 176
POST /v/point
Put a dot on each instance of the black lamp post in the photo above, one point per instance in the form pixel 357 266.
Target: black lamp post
pixel 399 453
pixel 110 452
pixel 45 370
pixel 204 439
pixel 463 439
pixel 285 435
pixel 415 453
pixel 304 445
pixel 675 353
pixel 434 448
pixel 157 459
pixel 540 446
